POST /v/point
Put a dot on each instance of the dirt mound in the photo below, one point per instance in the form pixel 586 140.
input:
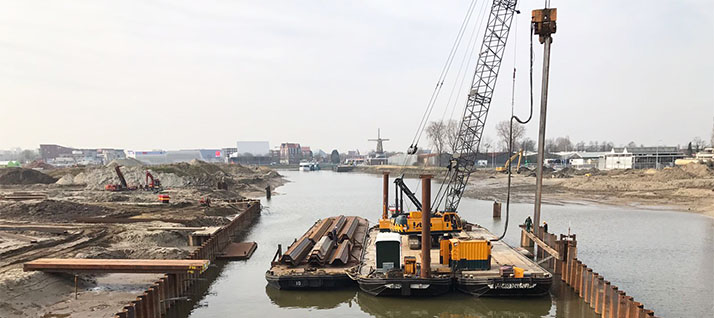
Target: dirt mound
pixel 24 176
pixel 690 171
pixel 125 162
pixel 51 210
pixel 38 164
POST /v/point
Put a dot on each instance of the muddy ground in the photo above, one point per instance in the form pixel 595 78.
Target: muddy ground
pixel 684 188
pixel 689 188
pixel 70 215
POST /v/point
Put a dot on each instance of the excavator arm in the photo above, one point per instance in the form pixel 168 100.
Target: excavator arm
pixel 122 180
pixel 403 187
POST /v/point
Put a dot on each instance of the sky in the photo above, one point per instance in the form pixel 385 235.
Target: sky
pixel 147 75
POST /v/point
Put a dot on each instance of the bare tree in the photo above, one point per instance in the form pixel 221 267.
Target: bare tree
pixel 503 132
pixel 711 142
pixel 698 144
pixel 528 144
pixel 452 133
pixel 563 143
pixel 550 146
pixel 436 132
pixel 580 146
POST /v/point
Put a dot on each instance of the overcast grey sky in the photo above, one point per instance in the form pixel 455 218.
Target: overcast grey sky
pixel 189 74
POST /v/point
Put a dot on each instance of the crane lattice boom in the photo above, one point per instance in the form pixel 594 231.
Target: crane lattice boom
pixel 477 105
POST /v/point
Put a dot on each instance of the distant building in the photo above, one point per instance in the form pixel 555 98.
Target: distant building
pixel 306 153
pixel 400 159
pixel 156 157
pixel 66 156
pixel 290 153
pixel 254 148
pixel 640 158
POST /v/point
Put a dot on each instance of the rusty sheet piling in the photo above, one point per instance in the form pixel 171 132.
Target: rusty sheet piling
pixel 606 299
pixel 173 288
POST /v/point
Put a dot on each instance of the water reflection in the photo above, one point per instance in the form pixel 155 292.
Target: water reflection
pixel 240 289
pixel 453 305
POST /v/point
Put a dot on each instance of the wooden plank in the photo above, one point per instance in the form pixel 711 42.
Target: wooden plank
pixel 542 244
pixel 116 265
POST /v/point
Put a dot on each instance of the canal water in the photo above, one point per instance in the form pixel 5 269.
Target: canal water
pixel 663 259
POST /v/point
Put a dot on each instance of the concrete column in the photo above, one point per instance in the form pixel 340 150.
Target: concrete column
pixel 496 210
pixel 425 226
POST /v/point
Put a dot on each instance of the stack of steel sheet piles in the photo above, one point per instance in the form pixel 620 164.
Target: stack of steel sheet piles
pixel 331 245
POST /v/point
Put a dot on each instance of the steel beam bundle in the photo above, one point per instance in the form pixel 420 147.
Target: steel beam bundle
pixel 319 253
pixel 320 230
pixel 348 231
pixel 339 223
pixel 297 251
pixel 342 254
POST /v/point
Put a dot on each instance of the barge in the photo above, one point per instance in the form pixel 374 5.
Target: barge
pixel 493 280
pixel 321 257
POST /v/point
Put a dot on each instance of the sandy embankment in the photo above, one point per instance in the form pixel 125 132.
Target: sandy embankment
pixel 56 227
pixel 689 188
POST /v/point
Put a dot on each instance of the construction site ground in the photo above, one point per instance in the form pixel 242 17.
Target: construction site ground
pixel 70 215
pixel 688 188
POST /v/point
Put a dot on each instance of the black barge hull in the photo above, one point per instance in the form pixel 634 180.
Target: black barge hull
pixel 304 282
pixel 505 287
pixel 398 287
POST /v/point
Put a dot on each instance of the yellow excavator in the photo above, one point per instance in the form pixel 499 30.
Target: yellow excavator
pixel 507 165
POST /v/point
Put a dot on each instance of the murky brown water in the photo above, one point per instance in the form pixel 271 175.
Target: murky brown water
pixel 664 259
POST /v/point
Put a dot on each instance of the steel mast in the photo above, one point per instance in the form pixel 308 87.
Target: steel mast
pixel 478 103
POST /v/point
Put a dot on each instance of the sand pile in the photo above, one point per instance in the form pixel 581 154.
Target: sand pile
pixel 24 176
pixel 38 164
pixel 51 210
pixel 690 171
pixel 125 162
pixel 97 178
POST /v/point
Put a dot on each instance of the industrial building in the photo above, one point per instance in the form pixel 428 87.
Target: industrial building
pixel 640 158
pixel 155 157
pixel 66 156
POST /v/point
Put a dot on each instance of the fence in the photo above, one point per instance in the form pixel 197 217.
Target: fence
pixel 171 289
pixel 602 296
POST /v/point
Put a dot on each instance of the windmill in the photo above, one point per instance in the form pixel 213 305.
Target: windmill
pixel 379 140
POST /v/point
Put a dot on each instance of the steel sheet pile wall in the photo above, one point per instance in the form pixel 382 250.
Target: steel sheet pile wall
pixel 602 296
pixel 172 288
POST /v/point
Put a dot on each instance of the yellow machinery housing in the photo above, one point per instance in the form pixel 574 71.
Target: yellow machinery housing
pixel 465 254
pixel 442 222
pixel 410 265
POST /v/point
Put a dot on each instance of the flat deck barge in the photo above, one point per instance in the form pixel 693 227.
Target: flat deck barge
pixel 536 281
pixel 321 257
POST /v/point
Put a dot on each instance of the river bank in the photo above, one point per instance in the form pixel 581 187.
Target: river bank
pixel 688 188
pixel 74 217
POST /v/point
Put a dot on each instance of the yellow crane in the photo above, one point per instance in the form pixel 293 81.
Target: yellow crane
pixel 507 165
